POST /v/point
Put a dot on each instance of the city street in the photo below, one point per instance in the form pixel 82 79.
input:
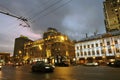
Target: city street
pixel 61 73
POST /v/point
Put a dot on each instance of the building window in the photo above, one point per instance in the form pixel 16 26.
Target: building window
pixel 108 43
pixel 78 54
pixel 101 44
pixel 93 52
pixel 77 47
pixel 96 45
pixel 92 45
pixel 117 50
pixel 84 46
pixel 103 51
pixel 98 52
pixel 116 42
pixel 88 46
pixel 110 51
pixel 81 53
pixel 85 53
pixel 80 47
pixel 88 52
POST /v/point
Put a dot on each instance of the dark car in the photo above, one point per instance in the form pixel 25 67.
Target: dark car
pixel 41 66
pixel 115 63
pixel 63 64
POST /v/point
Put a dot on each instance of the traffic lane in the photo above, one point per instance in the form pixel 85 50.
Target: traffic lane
pixel 62 73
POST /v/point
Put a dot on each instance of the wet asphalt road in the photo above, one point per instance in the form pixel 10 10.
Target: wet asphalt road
pixel 61 73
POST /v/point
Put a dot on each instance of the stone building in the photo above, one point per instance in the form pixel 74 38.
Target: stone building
pixel 112 15
pixel 99 48
pixel 55 47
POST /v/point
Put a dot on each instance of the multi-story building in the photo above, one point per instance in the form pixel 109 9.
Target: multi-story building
pixel 4 57
pixel 55 47
pixel 58 45
pixel 34 51
pixel 19 48
pixel 112 15
pixel 99 48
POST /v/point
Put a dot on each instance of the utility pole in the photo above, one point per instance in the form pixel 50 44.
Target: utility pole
pixel 20 18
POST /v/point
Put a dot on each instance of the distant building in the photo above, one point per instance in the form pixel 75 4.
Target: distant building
pixel 19 47
pixel 112 15
pixel 99 48
pixel 55 47
pixel 4 57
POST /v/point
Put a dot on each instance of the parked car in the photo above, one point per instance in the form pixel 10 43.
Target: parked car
pixel 91 64
pixel 1 64
pixel 63 64
pixel 41 66
pixel 17 64
pixel 115 63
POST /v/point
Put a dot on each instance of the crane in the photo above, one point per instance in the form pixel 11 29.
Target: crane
pixel 20 18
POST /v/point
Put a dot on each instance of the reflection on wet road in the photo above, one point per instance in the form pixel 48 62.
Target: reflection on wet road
pixel 61 73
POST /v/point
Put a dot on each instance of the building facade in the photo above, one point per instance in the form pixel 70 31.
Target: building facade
pixel 112 15
pixel 19 48
pixel 100 48
pixel 4 57
pixel 55 47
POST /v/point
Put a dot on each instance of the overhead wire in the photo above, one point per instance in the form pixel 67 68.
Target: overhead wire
pixel 39 13
pixel 54 10
pixel 31 12
pixel 45 9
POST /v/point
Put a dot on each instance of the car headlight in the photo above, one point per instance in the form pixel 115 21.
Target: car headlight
pixel 53 66
pixel 47 67
pixel 96 63
pixel 112 63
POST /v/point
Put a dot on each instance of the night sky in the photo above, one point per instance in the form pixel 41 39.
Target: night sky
pixel 74 18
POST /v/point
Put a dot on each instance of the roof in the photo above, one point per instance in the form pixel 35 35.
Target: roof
pixel 99 36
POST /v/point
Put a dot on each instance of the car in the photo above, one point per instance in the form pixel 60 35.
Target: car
pixel 115 63
pixel 63 64
pixel 91 64
pixel 1 64
pixel 17 64
pixel 41 66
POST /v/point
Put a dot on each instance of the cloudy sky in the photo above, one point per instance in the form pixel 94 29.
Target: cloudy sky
pixel 74 18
